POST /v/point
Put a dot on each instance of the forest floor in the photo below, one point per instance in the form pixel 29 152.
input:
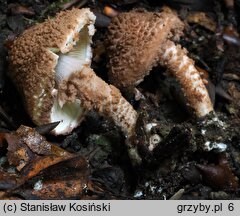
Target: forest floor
pixel 193 158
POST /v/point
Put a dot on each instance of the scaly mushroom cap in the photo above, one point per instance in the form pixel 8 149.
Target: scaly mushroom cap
pixel 134 42
pixel 46 54
pixel 138 41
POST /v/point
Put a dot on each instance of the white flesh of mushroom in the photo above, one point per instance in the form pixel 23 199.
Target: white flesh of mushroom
pixel 72 57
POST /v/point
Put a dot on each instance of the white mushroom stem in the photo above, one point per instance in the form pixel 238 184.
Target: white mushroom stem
pixel 175 58
pixel 95 94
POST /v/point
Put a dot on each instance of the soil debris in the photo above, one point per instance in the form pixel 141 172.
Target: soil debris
pixel 178 155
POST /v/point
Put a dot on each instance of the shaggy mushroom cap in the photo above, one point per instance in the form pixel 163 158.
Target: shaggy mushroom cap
pixel 140 40
pixel 46 54
pixel 134 43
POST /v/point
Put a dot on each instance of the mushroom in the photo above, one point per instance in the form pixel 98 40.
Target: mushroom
pixel 53 53
pixel 96 94
pixel 139 40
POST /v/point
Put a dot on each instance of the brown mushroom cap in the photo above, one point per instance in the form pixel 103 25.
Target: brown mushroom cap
pixel 139 40
pixel 34 58
pixel 134 42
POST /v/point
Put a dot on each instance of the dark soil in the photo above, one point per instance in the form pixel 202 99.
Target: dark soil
pixel 192 159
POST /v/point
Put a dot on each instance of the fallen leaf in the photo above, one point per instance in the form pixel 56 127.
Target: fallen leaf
pixel 18 153
pixel 9 180
pixel 17 9
pixel 65 180
pixel 27 147
pixel 110 12
pixel 202 19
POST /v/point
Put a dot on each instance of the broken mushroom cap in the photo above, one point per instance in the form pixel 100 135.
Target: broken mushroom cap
pixel 134 42
pixel 46 54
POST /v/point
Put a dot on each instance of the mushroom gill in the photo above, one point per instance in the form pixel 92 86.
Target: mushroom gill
pixel 44 57
pixel 139 40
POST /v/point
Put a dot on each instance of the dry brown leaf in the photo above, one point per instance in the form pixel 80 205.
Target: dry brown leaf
pixel 202 19
pixel 9 180
pixel 18 154
pixel 17 9
pixel 65 180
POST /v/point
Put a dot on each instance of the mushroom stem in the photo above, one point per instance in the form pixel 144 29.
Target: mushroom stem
pixel 175 58
pixel 95 94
